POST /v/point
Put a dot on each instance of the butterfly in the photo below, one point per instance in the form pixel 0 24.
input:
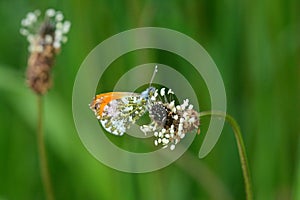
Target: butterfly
pixel 117 111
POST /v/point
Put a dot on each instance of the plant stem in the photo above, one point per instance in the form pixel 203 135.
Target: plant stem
pixel 42 153
pixel 241 148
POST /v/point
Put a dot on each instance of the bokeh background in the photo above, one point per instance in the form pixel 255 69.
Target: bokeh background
pixel 256 46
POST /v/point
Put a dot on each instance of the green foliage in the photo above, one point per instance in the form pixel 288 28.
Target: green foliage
pixel 256 47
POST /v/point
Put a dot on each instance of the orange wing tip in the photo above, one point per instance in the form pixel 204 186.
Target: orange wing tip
pixel 101 100
pixel 95 105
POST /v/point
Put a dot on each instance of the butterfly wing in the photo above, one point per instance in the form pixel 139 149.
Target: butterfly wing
pixel 118 110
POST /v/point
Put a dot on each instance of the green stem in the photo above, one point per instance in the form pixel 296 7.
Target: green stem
pixel 241 148
pixel 42 153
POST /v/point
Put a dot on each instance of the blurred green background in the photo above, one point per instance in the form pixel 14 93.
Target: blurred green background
pixel 256 46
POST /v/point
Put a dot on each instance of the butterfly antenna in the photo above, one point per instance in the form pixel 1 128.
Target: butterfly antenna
pixel 153 75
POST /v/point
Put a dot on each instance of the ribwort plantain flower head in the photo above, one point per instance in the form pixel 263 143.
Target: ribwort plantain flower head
pixel 45 35
pixel 170 122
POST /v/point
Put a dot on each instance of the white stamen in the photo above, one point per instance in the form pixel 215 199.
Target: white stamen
pixel 50 12
pixel 64 39
pixel 48 39
pixel 171 104
pixel 172 130
pixel 180 127
pixel 162 91
pixel 66 27
pixel 37 12
pixel 185 104
pixel 181 120
pixel 160 134
pixel 192 120
pixel 170 91
pixel 25 22
pixel 24 31
pixel 172 147
pixel 31 17
pixel 165 141
pixel 185 115
pixel 174 110
pixel 58 34
pixel 59 26
pixel 59 16
pixel 56 45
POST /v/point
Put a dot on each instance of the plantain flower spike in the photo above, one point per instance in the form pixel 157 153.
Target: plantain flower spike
pixel 45 36
pixel 170 122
